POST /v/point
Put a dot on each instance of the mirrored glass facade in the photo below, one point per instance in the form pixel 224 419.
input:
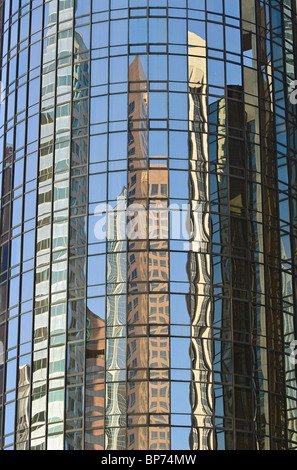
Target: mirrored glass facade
pixel 148 225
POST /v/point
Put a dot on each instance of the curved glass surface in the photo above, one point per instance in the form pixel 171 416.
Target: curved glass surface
pixel 148 213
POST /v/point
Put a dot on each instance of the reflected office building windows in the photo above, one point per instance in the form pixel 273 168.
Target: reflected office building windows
pixel 148 212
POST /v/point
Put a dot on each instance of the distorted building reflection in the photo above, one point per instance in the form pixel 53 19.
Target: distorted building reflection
pixel 199 260
pixel 122 123
pixel 23 411
pixel 115 363
pixel 95 379
pixel 57 155
pixel 250 324
pixel 6 208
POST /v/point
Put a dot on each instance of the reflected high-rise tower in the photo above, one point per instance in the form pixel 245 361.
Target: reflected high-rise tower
pixel 199 260
pixel 148 225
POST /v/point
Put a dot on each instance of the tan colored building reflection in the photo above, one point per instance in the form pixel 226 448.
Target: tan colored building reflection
pixel 95 376
pixel 148 402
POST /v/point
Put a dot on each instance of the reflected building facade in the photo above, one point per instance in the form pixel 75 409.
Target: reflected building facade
pixel 148 225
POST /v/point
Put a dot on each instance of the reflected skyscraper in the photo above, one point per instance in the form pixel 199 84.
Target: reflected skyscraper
pixel 148 225
pixel 199 260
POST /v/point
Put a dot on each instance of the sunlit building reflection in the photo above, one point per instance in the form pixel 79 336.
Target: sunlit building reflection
pixel 122 123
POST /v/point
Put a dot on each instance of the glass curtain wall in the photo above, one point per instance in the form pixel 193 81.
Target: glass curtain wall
pixel 148 213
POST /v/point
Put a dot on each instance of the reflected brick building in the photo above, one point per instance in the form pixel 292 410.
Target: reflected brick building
pixel 148 402
pixel 140 338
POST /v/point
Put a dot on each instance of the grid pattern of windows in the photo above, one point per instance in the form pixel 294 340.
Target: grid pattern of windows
pixel 126 321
